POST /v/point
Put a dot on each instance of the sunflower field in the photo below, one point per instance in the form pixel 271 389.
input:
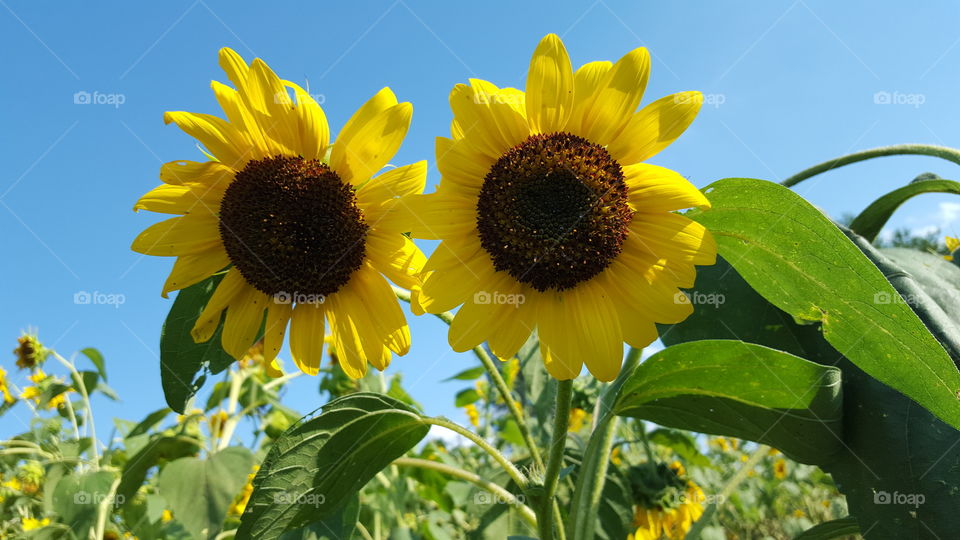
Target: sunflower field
pixel 636 358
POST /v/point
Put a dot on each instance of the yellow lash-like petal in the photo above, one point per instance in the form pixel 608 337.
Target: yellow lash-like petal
pixel 306 337
pixel 358 154
pixel 192 269
pixel 550 86
pixel 655 127
pixel 184 235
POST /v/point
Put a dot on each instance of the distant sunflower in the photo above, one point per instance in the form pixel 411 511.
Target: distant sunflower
pixel 293 218
pixel 550 220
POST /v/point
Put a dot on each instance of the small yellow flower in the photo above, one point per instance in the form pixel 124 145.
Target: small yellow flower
pixel 473 414
pixel 192 413
pixel 30 524
pixel 216 423
pixel 240 503
pixel 166 516
pixel 799 513
pixel 780 469
pixel 615 456
pixel 5 389
pixel 722 443
pixel 578 419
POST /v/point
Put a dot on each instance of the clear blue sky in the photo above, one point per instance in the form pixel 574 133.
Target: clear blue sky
pixel 788 84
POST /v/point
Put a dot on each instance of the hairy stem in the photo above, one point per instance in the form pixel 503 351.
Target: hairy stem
pixel 942 152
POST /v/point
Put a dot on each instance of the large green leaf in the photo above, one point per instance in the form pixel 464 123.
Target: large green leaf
pixel 139 464
pixel 728 387
pixel 77 499
pixel 938 278
pixel 831 529
pixel 199 491
pixel 801 262
pixel 314 468
pixel 181 359
pixel 875 216
pixel 336 526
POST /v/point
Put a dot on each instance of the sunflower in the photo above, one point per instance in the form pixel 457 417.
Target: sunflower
pixel 550 220
pixel 8 397
pixel 291 220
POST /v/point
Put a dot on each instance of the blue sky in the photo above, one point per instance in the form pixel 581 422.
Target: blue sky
pixel 788 84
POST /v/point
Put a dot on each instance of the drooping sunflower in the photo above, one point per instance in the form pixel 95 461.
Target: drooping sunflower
pixel 292 220
pixel 550 220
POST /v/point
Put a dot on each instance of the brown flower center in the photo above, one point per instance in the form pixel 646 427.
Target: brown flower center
pixel 553 211
pixel 292 227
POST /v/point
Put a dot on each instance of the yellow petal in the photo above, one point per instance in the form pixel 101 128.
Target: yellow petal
pixel 209 319
pixel 185 235
pixel 655 127
pixel 445 290
pixel 485 312
pixel 280 123
pixel 244 317
pixel 582 326
pixel 653 300
pixel 397 182
pixel 382 319
pixel 657 189
pixel 306 336
pixel 354 337
pixel 278 315
pixel 617 97
pixel 512 335
pixel 550 86
pixel 210 173
pixel 434 216
pixel 358 155
pixel 462 166
pixel 183 199
pixel 396 256
pixel 586 84
pixel 488 119
pixel 674 237
pixel 241 117
pixel 231 147
pixel 191 269
pixel 311 125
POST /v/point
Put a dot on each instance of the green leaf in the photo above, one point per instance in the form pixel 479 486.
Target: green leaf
pixel 77 498
pixel 149 422
pixel 466 397
pixel 337 526
pixel 181 359
pixel 97 359
pixel 467 374
pixel 200 491
pixel 937 277
pixel 158 448
pixel 801 262
pixel 739 389
pixel 869 223
pixel 831 529
pixel 314 468
pixel 89 379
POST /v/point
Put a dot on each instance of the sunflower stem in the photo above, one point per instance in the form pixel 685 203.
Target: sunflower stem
pixel 78 380
pixel 518 477
pixel 593 471
pixel 512 405
pixel 474 479
pixel 943 152
pixel 558 442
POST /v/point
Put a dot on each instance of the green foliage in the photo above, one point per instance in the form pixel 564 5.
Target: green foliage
pixel 869 223
pixel 742 390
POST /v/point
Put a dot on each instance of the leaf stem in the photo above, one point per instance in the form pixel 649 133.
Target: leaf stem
pixel 943 152
pixel 512 405
pixel 474 479
pixel 561 423
pixel 518 477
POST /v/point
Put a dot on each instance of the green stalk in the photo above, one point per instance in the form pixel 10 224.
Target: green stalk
pixel 498 382
pixel 596 459
pixel 561 423
pixel 943 152
pixel 518 477
pixel 474 479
